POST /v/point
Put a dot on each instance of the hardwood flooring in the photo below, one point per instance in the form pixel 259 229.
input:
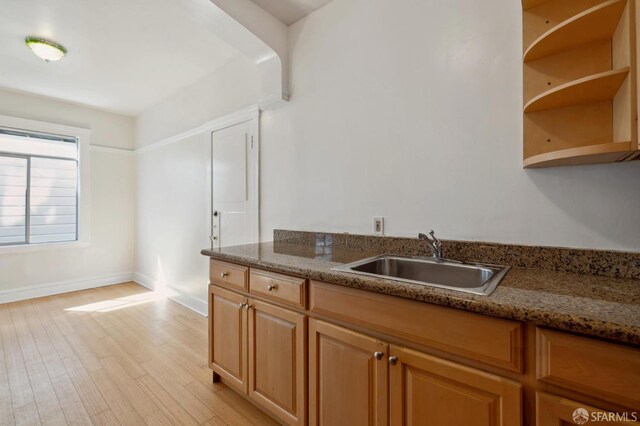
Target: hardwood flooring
pixel 109 356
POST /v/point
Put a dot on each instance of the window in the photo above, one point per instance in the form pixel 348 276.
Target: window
pixel 38 187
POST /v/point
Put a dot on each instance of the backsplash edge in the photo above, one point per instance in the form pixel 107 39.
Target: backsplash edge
pixel 618 264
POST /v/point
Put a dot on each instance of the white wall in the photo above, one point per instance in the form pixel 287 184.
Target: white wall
pixel 232 87
pixel 173 218
pixel 173 181
pixel 411 110
pixel 408 109
pixel 109 256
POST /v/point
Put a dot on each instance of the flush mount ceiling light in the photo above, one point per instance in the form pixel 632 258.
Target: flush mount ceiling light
pixel 45 49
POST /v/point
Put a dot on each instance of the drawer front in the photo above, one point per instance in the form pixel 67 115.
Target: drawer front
pixel 478 337
pixel 553 411
pixel 277 287
pixel 592 367
pixel 229 275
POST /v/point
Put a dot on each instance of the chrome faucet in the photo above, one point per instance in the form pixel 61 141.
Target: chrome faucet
pixel 433 243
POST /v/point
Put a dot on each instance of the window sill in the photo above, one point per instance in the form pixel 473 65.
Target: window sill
pixel 28 248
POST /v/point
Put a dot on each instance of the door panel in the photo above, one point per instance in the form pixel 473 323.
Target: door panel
pixel 347 384
pixel 277 361
pixel 234 185
pixel 425 390
pixel 228 345
pixel 230 165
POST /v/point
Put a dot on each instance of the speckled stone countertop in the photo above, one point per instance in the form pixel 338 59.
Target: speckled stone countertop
pixel 599 306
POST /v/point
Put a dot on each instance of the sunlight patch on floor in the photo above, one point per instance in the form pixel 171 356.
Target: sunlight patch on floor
pixel 120 303
pixel 160 292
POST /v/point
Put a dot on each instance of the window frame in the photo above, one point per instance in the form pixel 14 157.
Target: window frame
pixel 27 212
pixel 83 187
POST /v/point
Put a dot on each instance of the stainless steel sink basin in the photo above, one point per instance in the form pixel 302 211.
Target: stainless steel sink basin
pixel 452 275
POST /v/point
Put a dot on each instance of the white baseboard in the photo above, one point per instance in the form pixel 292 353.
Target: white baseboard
pixel 15 295
pixel 33 292
pixel 178 296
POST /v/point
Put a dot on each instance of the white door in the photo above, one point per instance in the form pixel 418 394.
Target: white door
pixel 234 185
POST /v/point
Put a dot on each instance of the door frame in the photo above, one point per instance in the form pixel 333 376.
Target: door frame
pixel 250 114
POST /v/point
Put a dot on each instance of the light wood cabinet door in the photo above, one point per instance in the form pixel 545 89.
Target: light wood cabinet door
pixel 555 411
pixel 228 337
pixel 277 361
pixel 347 377
pixel 425 390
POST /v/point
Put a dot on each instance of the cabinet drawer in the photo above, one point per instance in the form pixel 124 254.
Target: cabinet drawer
pixel 592 367
pixel 553 411
pixel 281 288
pixel 229 275
pixel 494 341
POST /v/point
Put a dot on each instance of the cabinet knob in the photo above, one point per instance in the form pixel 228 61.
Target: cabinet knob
pixel 224 274
pixel 272 287
pixel 393 360
pixel 378 355
pixel 242 305
pixel 248 306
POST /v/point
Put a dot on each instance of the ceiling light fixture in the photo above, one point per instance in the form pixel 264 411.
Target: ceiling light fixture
pixel 45 49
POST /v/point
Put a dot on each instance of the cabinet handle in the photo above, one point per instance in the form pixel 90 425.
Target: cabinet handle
pixel 272 287
pixel 224 274
pixel 378 355
pixel 393 360
pixel 242 305
pixel 248 306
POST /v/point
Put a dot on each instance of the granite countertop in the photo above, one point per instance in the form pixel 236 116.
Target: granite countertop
pixel 598 306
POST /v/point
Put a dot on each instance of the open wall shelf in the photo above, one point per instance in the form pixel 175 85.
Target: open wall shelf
pixel 597 23
pixel 580 85
pixel 591 154
pixel 594 88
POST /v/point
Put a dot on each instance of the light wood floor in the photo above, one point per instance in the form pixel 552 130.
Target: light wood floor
pixel 109 356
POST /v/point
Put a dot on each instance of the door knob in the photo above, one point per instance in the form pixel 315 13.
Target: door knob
pixel 378 355
pixel 393 360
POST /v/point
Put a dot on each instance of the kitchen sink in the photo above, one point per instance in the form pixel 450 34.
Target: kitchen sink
pixel 450 274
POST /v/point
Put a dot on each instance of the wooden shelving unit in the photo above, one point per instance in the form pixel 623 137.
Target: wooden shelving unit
pixel 580 88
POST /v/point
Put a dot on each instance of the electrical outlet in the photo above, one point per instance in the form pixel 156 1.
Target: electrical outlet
pixel 378 225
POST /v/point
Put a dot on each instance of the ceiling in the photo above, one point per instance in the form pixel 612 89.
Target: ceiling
pixel 123 55
pixel 290 11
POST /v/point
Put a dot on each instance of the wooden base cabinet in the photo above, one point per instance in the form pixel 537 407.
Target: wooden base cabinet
pixel 347 377
pixel 228 337
pixel 277 361
pixel 354 378
pixel 286 354
pixel 425 390
pixel 260 350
